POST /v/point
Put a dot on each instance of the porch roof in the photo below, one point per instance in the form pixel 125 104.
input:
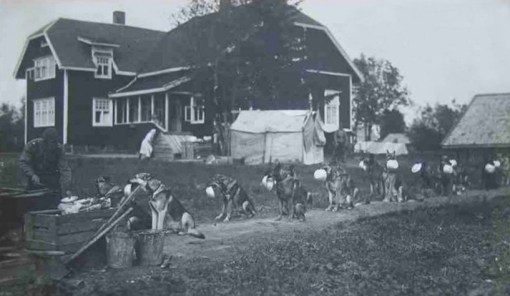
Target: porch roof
pixel 151 84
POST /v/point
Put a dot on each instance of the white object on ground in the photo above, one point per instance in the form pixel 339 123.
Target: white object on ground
pixel 448 169
pixel 320 175
pixel 210 192
pixel 268 183
pixel 489 168
pixel 416 168
pixel 392 164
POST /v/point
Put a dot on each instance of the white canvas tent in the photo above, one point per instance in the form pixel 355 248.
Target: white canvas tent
pixel 382 147
pixel 287 136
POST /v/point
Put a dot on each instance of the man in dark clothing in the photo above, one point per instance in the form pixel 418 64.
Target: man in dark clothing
pixel 43 163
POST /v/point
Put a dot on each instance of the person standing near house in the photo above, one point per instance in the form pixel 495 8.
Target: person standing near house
pixel 340 141
pixel 146 147
pixel 44 163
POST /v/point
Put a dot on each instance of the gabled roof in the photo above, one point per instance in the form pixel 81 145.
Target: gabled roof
pixel 131 44
pixel 486 123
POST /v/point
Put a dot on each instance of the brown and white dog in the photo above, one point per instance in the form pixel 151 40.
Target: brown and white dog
pixel 393 185
pixel 105 188
pixel 165 208
pixel 292 195
pixel 342 192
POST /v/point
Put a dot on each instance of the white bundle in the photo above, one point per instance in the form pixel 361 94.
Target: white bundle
pixel 320 175
pixel 268 183
pixel 453 162
pixel 448 169
pixel 416 168
pixel 489 168
pixel 362 165
pixel 392 164
pixel 210 192
pixel 497 163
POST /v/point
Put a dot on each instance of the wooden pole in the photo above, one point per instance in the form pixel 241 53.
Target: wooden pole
pixel 119 209
pixel 98 236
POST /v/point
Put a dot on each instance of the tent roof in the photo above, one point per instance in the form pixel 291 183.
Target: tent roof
pixel 383 147
pixel 396 138
pixel 276 121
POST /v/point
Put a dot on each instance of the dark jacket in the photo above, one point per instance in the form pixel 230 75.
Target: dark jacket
pixel 51 167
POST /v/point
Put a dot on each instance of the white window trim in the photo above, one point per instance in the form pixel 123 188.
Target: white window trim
pixel 138 102
pixel 102 124
pixel 51 120
pixel 110 63
pixel 335 102
pixel 191 110
pixel 52 73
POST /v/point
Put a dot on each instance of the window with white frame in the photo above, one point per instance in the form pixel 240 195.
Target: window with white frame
pixel 121 107
pixel 103 59
pixel 102 110
pixel 44 68
pixel 146 109
pixel 44 112
pixel 194 113
pixel 332 109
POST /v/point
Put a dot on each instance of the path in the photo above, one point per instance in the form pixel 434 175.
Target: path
pixel 223 238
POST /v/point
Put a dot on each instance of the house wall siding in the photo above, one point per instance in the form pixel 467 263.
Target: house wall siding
pixel 83 87
pixel 45 89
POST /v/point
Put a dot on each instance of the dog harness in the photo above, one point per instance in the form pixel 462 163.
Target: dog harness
pixel 228 186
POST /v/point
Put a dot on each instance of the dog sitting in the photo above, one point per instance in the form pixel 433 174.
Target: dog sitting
pixel 374 173
pixel 393 186
pixel 341 188
pixel 105 188
pixel 165 208
pixel 292 195
pixel 232 195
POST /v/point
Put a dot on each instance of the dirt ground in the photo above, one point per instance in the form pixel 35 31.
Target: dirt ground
pixel 436 247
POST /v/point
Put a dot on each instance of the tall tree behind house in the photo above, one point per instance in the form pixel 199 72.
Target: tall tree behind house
pixel 254 43
pixel 382 90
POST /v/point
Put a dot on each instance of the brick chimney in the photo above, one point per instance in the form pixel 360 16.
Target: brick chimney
pixel 119 17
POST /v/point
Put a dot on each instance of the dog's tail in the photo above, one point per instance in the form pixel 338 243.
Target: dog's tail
pixel 195 233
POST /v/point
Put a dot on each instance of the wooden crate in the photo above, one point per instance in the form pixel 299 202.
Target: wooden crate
pixel 49 230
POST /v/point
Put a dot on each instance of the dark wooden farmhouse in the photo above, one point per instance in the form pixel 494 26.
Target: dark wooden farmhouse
pixel 105 85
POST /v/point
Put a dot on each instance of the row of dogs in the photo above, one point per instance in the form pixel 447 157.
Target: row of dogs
pixel 167 212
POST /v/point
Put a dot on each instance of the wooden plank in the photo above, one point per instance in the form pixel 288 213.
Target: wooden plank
pixel 84 216
pixel 44 220
pixel 79 237
pixel 44 246
pixel 69 228
pixel 45 235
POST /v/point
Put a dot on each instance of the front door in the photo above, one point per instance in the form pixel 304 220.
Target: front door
pixel 175 116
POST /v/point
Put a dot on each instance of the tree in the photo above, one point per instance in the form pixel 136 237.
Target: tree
pixel 246 50
pixel 382 90
pixel 429 129
pixel 11 128
pixel 392 121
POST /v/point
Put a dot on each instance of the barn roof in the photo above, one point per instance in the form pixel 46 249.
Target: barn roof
pixel 486 123
pixel 131 45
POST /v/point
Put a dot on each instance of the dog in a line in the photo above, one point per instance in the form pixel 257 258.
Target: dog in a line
pixel 165 208
pixel 342 192
pixel 233 196
pixel 374 172
pixel 393 185
pixel 291 194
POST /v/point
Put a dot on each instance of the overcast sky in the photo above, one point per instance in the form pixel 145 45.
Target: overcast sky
pixel 444 48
